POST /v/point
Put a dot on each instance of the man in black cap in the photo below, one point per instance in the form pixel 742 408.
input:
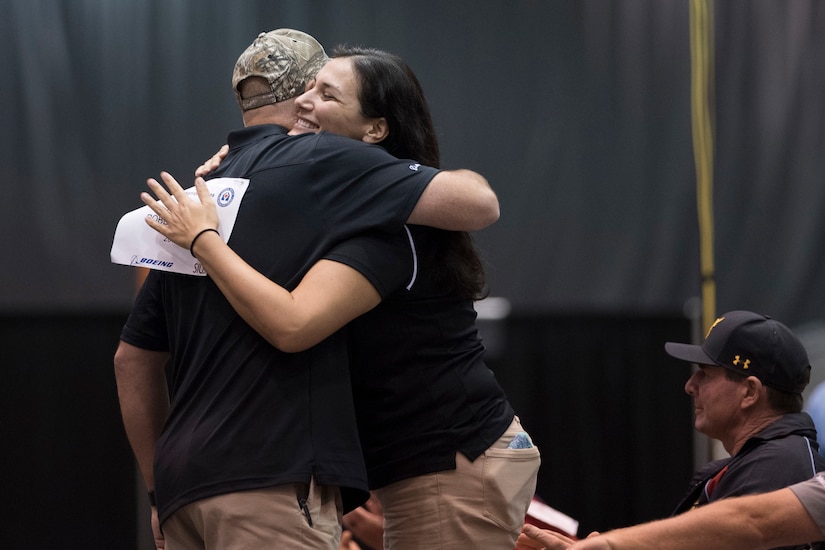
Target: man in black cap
pixel 747 393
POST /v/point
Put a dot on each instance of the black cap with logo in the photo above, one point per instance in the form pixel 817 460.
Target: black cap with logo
pixel 752 345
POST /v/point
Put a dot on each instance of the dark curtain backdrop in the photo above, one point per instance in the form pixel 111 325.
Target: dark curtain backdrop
pixel 68 472
pixel 607 408
pixel 577 111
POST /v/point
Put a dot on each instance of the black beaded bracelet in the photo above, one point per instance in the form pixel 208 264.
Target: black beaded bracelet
pixel 197 236
pixel 152 498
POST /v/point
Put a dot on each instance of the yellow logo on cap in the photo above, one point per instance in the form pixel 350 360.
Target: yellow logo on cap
pixel 716 322
pixel 745 364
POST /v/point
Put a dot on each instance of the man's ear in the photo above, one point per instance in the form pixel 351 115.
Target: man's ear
pixel 377 131
pixel 754 390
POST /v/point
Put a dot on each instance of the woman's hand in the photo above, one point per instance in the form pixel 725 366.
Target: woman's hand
pixel 212 164
pixel 183 218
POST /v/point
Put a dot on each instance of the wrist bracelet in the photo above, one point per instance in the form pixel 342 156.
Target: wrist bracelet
pixel 198 235
pixel 152 498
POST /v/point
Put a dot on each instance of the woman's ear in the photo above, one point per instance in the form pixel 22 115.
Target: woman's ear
pixel 377 131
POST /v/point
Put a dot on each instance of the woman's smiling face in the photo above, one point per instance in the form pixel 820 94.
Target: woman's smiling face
pixel 332 104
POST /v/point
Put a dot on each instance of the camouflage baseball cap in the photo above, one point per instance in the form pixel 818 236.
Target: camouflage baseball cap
pixel 286 58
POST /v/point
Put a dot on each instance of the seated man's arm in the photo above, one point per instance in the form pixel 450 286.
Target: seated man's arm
pixel 457 200
pixel 751 522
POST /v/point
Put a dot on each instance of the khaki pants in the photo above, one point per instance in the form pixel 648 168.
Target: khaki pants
pixel 479 505
pixel 254 520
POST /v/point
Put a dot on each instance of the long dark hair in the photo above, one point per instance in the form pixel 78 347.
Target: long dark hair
pixel 389 88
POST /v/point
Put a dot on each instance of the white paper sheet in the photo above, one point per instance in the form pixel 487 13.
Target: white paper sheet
pixel 137 244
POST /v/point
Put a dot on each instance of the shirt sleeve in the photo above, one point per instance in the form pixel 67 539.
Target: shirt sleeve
pixel 388 260
pixel 811 494
pixel 146 325
pixel 360 186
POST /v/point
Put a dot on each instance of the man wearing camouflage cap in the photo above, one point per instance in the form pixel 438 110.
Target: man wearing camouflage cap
pixel 256 448
pixel 285 59
pixel 747 393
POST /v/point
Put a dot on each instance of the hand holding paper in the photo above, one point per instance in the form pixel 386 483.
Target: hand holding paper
pixel 182 218
pixel 158 235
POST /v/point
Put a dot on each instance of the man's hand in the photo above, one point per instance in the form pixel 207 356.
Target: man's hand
pixel 367 523
pixel 533 537
pixel 160 542
pixel 347 542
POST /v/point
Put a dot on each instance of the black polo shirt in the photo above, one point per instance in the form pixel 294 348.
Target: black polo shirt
pixel 422 389
pixel 243 414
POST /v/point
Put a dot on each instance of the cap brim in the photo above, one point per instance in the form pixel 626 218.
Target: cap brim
pixel 688 352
